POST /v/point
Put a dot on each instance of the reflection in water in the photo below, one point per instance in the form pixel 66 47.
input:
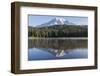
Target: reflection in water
pixel 46 49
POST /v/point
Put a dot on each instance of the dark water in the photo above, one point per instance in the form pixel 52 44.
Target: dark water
pixel 49 49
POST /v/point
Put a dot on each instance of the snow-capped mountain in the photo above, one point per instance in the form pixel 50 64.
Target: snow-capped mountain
pixel 56 21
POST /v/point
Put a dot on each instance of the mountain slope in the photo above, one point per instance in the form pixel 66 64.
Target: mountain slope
pixel 56 21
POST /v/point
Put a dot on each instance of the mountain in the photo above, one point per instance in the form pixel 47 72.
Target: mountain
pixel 56 21
pixel 58 27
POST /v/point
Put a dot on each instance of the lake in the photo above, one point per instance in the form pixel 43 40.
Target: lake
pixel 57 48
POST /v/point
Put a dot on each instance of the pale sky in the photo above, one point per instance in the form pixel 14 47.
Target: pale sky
pixel 35 20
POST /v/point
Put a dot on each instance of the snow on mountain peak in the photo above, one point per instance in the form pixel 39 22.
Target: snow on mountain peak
pixel 56 21
pixel 60 20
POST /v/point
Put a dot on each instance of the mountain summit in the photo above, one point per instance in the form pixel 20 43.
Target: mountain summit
pixel 56 21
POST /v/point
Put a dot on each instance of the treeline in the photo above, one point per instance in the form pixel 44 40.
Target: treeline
pixel 58 31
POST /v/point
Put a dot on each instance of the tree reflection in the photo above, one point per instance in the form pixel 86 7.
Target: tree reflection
pixel 57 47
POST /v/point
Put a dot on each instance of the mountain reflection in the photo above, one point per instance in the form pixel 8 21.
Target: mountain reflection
pixel 57 47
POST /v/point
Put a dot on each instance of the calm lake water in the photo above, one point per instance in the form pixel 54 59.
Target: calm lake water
pixel 49 49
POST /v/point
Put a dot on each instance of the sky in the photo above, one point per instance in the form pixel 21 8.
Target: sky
pixel 35 20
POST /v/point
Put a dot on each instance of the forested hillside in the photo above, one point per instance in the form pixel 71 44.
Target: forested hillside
pixel 58 31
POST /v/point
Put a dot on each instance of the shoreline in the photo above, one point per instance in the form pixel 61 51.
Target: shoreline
pixel 83 38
